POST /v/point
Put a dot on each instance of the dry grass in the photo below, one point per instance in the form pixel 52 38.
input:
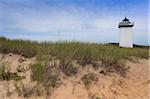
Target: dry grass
pixel 110 55
pixel 72 50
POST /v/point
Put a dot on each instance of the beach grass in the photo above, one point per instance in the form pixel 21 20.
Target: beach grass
pixel 111 56
pixel 72 50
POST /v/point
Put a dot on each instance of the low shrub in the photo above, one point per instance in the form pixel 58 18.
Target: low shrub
pixel 88 78
pixel 37 72
pixel 68 68
pixel 45 73
pixel 7 75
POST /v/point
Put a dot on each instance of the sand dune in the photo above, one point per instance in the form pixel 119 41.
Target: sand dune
pixel 113 86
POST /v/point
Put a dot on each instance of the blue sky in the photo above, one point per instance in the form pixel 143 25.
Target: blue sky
pixel 82 20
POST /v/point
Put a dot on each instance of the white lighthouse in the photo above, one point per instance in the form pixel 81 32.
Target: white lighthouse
pixel 126 32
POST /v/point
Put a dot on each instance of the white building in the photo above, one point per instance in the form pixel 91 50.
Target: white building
pixel 126 33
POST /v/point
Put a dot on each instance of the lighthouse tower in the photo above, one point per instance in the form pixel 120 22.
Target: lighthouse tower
pixel 126 33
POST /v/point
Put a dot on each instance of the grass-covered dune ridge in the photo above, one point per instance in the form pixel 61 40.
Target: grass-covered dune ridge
pixel 72 50
pixel 84 53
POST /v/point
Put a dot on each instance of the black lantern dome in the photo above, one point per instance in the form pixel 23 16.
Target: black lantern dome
pixel 125 19
pixel 125 23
